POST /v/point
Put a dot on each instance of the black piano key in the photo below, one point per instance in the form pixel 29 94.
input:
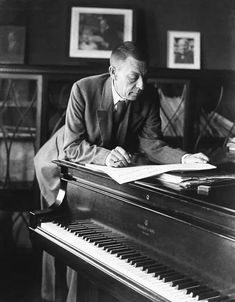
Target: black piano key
pixel 206 295
pixel 154 263
pixel 82 233
pixel 111 246
pixel 190 290
pixel 118 237
pixel 96 240
pixel 145 262
pixel 80 226
pixel 213 298
pixel 128 251
pixel 152 266
pixel 76 228
pixel 162 270
pixel 165 273
pixel 127 255
pixel 114 248
pixel 118 250
pixel 177 282
pixel 107 243
pixel 186 285
pixel 195 291
pixel 220 299
pixel 92 225
pixel 85 232
pixel 138 260
pixel 92 234
pixel 122 252
pixel 77 222
pixel 132 259
pixel 157 268
pixel 173 277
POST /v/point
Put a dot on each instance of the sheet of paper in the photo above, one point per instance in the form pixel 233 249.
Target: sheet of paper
pixel 127 174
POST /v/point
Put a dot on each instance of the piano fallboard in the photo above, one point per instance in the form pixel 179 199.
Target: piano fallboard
pixel 191 233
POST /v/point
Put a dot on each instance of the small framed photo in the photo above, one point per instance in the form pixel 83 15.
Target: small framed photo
pixel 12 44
pixel 94 32
pixel 183 50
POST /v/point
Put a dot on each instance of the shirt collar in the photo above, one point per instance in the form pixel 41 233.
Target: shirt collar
pixel 116 96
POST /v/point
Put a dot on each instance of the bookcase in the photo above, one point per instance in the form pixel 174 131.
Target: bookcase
pixel 197 108
pixel 174 101
pixel 20 115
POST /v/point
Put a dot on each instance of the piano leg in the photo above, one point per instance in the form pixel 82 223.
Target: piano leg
pixel 105 297
pixel 88 291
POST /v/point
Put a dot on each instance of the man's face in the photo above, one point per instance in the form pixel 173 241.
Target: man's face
pixel 182 46
pixel 128 78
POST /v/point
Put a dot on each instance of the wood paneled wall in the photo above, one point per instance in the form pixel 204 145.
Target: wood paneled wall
pixel 47 23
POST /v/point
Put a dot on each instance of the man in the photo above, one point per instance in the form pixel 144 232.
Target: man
pixel 184 54
pixel 88 135
pixel 91 134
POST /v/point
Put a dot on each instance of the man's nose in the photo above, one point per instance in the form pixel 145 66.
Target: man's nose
pixel 140 83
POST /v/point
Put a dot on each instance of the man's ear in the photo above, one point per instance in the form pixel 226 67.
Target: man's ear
pixel 112 72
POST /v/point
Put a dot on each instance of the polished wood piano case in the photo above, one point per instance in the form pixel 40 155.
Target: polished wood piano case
pixel 192 234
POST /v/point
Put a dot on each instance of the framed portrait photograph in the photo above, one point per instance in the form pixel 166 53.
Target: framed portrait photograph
pixel 94 32
pixel 183 50
pixel 12 44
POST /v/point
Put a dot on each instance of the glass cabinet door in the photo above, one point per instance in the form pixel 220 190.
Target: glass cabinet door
pixel 20 113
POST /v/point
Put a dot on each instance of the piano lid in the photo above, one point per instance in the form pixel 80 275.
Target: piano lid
pixel 216 209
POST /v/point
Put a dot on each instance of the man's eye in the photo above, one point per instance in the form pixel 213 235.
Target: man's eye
pixel 133 79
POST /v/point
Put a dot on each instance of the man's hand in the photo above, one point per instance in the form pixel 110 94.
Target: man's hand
pixel 231 144
pixel 195 158
pixel 118 157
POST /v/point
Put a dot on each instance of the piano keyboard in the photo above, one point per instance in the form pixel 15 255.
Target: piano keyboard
pixel 116 253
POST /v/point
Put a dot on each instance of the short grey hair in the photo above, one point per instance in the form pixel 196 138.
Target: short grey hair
pixel 127 49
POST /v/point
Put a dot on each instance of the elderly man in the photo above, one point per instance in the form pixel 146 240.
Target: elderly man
pixel 91 134
pixel 109 117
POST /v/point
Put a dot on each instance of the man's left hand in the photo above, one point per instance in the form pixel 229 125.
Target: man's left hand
pixel 195 158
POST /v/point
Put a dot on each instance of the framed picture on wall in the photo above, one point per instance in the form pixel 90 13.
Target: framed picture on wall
pixel 12 44
pixel 183 50
pixel 94 32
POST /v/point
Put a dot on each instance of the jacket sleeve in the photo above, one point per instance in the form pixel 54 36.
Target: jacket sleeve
pixel 151 139
pixel 77 148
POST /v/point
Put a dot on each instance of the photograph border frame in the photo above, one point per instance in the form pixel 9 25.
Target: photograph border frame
pixel 171 36
pixel 75 52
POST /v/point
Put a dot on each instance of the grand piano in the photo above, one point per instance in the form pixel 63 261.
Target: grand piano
pixel 141 241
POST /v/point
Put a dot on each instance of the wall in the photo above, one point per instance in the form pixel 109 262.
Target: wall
pixel 47 24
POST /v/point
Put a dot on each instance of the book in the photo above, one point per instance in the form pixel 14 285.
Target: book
pixel 194 178
pixel 231 144
pixel 132 173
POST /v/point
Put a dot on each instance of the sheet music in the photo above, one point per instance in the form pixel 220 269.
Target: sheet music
pixel 127 174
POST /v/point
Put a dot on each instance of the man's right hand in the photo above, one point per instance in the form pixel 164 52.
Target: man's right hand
pixel 118 157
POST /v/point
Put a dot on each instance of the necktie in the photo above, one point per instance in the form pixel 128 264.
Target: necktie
pixel 120 111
